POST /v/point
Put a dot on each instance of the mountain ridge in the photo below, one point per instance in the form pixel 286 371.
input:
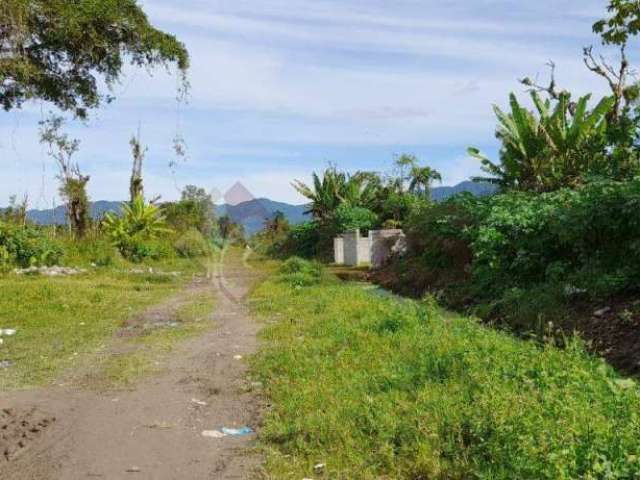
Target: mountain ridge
pixel 251 213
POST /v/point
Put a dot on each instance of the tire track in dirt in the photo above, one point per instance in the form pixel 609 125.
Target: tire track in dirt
pixel 154 430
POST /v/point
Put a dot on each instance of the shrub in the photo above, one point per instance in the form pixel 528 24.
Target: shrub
pixel 348 218
pixel 135 232
pixel 192 244
pixel 94 248
pixel 26 246
pixel 522 255
pixel 299 272
pixel 585 237
pixel 303 240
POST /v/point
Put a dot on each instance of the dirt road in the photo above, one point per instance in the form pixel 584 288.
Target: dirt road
pixel 153 431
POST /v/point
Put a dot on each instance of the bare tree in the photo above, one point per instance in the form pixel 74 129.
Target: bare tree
pixel 73 188
pixel 615 77
pixel 136 187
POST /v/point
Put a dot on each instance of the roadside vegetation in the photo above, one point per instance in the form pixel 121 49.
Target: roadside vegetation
pixel 370 386
pixel 552 245
pixel 68 288
pixel 68 295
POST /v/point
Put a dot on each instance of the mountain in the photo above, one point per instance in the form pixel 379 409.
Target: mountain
pixel 479 189
pixel 59 215
pixel 252 213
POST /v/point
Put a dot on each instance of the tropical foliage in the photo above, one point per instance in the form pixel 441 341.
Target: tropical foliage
pixel 62 50
pixel 364 200
pixel 26 246
pixel 555 146
pixel 134 231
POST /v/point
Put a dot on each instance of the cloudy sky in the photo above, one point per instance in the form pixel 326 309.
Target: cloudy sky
pixel 282 87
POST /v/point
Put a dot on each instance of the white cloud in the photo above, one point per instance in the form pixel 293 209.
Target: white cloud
pixel 274 80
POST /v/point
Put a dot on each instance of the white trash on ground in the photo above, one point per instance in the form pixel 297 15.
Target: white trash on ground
pixel 54 271
pixel 228 432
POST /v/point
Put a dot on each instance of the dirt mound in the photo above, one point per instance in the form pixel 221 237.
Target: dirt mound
pixel 613 331
pixel 19 429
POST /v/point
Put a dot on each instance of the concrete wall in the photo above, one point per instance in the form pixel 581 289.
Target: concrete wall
pixel 338 250
pixel 353 249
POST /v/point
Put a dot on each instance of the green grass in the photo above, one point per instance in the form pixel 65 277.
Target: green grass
pixel 61 320
pixel 382 388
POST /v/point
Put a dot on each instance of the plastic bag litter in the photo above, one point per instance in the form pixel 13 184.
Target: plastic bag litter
pixel 228 432
pixel 237 432
pixel 7 332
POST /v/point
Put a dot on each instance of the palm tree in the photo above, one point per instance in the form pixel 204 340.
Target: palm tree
pixel 405 163
pixel 421 179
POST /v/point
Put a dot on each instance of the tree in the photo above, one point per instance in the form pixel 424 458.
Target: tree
pixel 73 188
pixel 348 218
pixel 421 179
pixel 624 22
pixel 16 212
pixel 229 230
pixel 136 187
pixel 195 209
pixel 60 50
pixel 277 225
pixel 405 164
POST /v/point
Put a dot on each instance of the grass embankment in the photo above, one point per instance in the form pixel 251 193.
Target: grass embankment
pixel 377 387
pixel 60 320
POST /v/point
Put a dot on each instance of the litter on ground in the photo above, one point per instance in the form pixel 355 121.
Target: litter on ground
pixel 237 432
pixel 228 432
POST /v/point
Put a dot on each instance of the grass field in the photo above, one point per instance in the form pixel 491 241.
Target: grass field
pixel 60 320
pixel 373 387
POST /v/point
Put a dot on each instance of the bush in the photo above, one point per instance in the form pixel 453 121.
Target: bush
pixel 348 218
pixel 303 240
pixel 27 246
pixel 523 256
pixel 91 249
pixel 587 238
pixel 136 232
pixel 299 272
pixel 192 244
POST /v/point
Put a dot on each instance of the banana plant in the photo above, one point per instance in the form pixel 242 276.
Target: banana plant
pixel 335 188
pixel 324 193
pixel 138 223
pixel 550 147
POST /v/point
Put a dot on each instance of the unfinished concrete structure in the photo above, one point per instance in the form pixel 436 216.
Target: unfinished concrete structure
pixel 352 249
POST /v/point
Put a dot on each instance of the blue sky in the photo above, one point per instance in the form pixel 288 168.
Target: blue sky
pixel 282 87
